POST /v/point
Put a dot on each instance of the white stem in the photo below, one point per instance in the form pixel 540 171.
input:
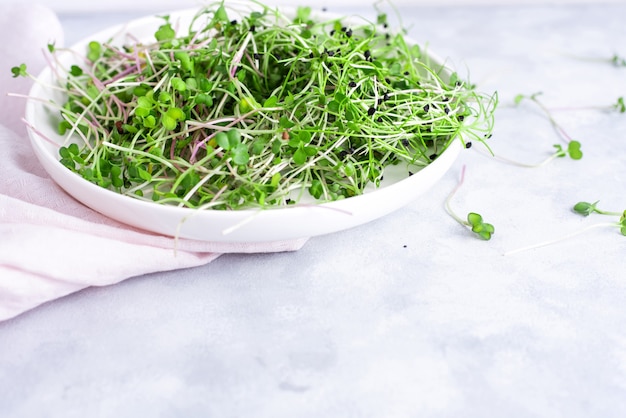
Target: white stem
pixel 563 238
pixel 452 193
pixel 517 163
pixel 239 54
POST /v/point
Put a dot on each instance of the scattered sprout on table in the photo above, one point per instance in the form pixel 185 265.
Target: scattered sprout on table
pixel 474 221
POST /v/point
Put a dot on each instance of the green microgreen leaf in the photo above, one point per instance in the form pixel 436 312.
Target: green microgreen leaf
pixel 240 154
pixel 480 228
pixel 302 14
pixel 149 122
pixel 175 113
pixel 165 33
pixel 76 71
pixel 285 123
pixel 222 140
pixel 381 19
pixel 247 104
pixel 316 189
pixel 19 71
pixel 618 61
pixel 333 106
pixel 63 127
pixel 304 137
pixel 179 84
pixel 275 180
pixel 94 51
pixel 185 61
pixel 144 175
pixel 573 150
pixel 560 152
pixel 64 152
pixel 145 102
pixel 258 146
pixel 349 170
pixel 585 208
pixel 484 231
pixel 234 137
pixel 310 150
pixel 622 223
pixel 220 15
pixel 168 122
pixel 142 112
pixel 272 101
pixel 204 99
pixel 474 219
pixel 299 157
pixel 164 98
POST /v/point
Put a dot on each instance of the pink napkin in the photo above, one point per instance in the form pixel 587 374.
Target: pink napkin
pixel 50 244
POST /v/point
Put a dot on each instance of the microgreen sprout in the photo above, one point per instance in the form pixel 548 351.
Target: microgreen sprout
pixel 260 110
pixel 534 98
pixel 618 61
pixel 19 71
pixel 474 221
pixel 584 209
pixel 571 150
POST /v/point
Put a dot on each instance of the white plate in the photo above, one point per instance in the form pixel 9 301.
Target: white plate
pixel 218 225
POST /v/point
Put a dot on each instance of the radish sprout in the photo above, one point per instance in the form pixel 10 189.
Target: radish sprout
pixel 474 220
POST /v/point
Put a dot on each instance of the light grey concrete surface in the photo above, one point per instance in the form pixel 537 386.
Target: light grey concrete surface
pixel 408 316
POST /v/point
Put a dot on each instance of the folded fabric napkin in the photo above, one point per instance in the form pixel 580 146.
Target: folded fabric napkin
pixel 50 244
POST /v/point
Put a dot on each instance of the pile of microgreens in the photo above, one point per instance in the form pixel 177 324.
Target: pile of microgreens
pixel 255 109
